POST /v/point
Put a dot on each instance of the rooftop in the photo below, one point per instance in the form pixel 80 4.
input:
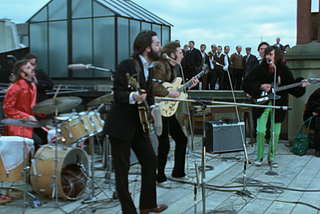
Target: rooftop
pixel 295 189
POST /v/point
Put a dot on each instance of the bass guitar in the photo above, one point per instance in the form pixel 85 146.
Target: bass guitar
pixel 145 116
pixel 169 108
pixel 266 96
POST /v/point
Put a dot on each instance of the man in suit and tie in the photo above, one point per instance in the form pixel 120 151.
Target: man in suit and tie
pixel 211 54
pixel 280 46
pixel 193 61
pixel 125 129
pixel 205 61
pixel 247 59
pixel 238 71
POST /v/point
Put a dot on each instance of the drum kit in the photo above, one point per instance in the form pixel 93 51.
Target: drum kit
pixel 59 169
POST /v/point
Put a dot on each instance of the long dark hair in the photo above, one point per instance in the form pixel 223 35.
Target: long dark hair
pixel 142 41
pixel 17 69
pixel 277 53
pixel 170 47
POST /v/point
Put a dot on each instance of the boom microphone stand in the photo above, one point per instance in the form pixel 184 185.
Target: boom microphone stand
pixel 270 172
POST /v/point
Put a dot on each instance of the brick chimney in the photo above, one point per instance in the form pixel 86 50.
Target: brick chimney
pixel 304 22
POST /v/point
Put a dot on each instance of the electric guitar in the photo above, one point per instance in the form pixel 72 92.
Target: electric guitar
pixel 145 116
pixel 169 108
pixel 266 96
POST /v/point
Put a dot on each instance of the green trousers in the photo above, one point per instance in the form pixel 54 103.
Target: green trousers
pixel 261 133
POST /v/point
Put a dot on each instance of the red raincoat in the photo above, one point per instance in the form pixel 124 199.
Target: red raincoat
pixel 18 101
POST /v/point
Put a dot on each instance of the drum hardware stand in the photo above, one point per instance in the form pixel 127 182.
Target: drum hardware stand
pixel 92 197
pixel 26 171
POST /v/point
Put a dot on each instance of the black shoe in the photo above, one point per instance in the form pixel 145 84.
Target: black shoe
pixel 317 154
pixel 157 209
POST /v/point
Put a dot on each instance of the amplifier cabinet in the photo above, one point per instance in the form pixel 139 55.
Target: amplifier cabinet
pixel 224 137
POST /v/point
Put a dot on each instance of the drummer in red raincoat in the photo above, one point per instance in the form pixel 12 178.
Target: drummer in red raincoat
pixel 19 99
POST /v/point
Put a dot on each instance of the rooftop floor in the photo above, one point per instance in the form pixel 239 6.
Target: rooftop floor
pixel 290 191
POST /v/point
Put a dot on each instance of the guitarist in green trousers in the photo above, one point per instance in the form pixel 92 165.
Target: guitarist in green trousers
pixel 164 71
pixel 261 79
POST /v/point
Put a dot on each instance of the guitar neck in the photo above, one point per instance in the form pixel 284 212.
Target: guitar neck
pixel 285 87
pixel 187 84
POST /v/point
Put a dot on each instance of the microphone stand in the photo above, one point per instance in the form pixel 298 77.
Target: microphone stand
pixel 190 112
pixel 270 172
pixel 244 191
pixel 98 68
pixel 203 106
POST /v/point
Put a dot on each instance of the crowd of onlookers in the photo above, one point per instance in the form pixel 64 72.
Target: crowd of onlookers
pixel 224 68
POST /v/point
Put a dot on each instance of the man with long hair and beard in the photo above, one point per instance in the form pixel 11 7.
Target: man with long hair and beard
pixel 260 79
pixel 124 128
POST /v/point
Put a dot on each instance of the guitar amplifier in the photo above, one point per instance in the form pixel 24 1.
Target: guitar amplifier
pixel 224 137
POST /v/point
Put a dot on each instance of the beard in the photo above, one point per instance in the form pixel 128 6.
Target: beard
pixel 154 56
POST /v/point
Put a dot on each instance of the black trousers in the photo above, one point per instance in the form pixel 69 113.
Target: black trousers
pixel 39 137
pixel 142 147
pixel 237 75
pixel 217 73
pixel 171 126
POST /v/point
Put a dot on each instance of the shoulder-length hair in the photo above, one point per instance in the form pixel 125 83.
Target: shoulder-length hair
pixel 17 69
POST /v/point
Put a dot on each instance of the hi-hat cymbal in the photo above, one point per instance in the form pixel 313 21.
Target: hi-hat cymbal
pixel 21 122
pixel 59 103
pixel 103 99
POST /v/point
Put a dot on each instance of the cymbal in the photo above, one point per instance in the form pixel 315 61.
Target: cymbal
pixel 21 122
pixel 59 103
pixel 103 99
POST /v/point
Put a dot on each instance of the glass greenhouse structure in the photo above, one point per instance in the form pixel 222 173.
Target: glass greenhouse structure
pixel 97 32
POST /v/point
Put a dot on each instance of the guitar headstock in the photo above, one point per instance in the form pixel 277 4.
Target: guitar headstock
pixel 205 69
pixel 314 80
pixel 132 82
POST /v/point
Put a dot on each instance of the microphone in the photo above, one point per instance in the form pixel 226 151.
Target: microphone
pixel 157 119
pixel 165 56
pixel 78 66
pixel 13 57
pixel 81 66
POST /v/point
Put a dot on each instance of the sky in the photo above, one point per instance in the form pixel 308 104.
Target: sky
pixel 220 22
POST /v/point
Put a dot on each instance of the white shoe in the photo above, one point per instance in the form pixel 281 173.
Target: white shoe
pixel 164 184
pixel 184 179
pixel 258 162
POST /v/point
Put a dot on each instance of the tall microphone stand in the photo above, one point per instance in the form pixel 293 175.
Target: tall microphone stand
pixel 244 191
pixel 270 172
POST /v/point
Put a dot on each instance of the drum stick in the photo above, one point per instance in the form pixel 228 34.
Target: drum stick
pixel 57 91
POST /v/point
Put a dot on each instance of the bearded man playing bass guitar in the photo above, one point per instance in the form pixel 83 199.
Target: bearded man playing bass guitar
pixel 164 71
pixel 124 128
pixel 260 79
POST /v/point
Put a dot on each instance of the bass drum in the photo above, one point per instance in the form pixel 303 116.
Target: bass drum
pixel 71 166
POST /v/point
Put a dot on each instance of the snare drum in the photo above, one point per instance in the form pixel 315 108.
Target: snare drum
pixel 71 179
pixel 96 122
pixel 76 128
